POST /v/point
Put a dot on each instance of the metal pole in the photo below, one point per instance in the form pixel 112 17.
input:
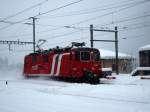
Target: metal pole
pixel 33 18
pixel 116 49
pixel 91 33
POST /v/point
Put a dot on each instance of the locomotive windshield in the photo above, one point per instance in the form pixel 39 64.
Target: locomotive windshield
pixel 87 55
pixel 95 56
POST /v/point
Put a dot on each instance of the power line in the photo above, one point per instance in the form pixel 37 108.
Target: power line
pixel 43 13
pixel 58 8
pixel 98 16
pixel 134 37
pixel 89 11
pixel 85 27
pixel 72 24
pixel 27 9
pixel 145 26
pixel 119 10
pixel 62 35
pixel 13 24
pixel 127 19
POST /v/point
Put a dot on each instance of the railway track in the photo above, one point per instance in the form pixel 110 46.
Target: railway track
pixel 48 82
pixel 65 84
pixel 106 99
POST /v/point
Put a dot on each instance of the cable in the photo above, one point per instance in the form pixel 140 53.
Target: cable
pixel 97 16
pixel 88 11
pixel 106 14
pixel 27 9
pixel 13 24
pixel 124 20
pixel 128 25
pixel 134 28
pixel 62 35
pixel 134 37
pixel 58 8
pixel 119 10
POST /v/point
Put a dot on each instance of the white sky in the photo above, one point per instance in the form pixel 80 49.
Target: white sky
pixel 134 13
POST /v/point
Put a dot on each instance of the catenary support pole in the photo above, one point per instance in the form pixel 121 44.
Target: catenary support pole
pixel 116 49
pixel 33 19
pixel 91 33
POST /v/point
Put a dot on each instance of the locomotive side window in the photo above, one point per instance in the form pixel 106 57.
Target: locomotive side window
pixel 85 55
pixel 34 59
pixel 45 58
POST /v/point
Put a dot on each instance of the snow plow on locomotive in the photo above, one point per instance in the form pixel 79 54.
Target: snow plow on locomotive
pixel 75 62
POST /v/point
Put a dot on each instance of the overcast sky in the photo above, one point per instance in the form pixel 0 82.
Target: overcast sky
pixel 132 17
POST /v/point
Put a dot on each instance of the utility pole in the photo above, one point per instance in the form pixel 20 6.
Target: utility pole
pixel 116 49
pixel 115 41
pixel 91 32
pixel 33 20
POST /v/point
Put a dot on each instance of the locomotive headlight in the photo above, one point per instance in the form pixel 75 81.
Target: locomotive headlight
pixel 93 68
pixel 84 69
pixel 74 68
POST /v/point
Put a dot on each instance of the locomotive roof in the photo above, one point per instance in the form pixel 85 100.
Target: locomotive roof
pixel 61 50
pixel 85 48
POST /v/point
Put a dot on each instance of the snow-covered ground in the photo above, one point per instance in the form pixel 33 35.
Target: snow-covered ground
pixel 124 94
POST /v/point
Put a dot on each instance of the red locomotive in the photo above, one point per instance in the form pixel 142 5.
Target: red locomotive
pixel 75 62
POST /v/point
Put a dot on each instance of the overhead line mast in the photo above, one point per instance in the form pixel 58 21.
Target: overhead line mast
pixel 14 42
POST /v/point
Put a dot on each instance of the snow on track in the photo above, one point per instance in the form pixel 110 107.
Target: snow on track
pixel 123 94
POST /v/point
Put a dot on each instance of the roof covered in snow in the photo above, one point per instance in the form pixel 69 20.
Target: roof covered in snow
pixel 144 48
pixel 107 54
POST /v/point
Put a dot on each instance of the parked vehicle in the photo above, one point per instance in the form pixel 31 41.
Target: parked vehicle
pixel 106 72
pixel 141 71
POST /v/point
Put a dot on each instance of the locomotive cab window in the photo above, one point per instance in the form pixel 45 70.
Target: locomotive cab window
pixel 85 55
pixel 95 56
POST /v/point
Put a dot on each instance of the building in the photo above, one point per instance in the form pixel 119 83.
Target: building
pixel 125 62
pixel 144 56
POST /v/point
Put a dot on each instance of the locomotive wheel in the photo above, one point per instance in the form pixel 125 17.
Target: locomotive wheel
pixel 90 78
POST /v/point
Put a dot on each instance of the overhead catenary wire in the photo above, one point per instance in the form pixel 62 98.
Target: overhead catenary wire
pixel 125 20
pixel 83 28
pixel 99 16
pixel 24 10
pixel 40 14
pixel 13 24
pixel 52 29
pixel 88 11
pixel 109 13
pixel 58 8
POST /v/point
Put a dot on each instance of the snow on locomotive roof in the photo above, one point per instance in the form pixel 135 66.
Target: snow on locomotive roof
pixel 107 54
pixel 144 48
